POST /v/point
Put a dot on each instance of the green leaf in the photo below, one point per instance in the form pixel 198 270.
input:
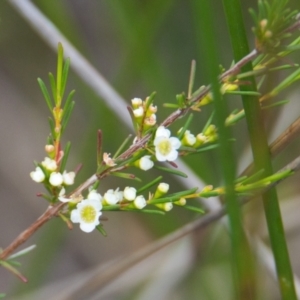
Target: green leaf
pixel 147 211
pixel 247 93
pixel 101 230
pixel 171 171
pixel 64 78
pixel 67 117
pixel 149 185
pixel 193 208
pixel 60 61
pixel 65 157
pixel 45 94
pixel 185 127
pixel 126 176
pixel 22 252
pixel 53 86
pixel 52 127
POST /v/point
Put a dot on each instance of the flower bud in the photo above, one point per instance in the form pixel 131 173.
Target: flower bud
pixel 161 190
pixel 56 179
pixel 145 163
pixel 37 175
pixel 140 202
pixel 129 193
pixel 136 102
pixel 68 178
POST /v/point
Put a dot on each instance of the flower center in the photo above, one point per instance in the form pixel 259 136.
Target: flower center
pixel 88 214
pixel 165 147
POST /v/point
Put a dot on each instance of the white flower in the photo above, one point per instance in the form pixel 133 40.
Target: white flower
pixel 136 102
pixel 61 196
pixel 93 195
pixel 168 206
pixel 108 160
pixel 138 112
pixel 129 193
pixel 112 197
pixel 151 120
pixel 140 202
pixel 56 179
pixel 37 175
pixel 73 198
pixel 153 108
pixel 189 138
pixel 165 146
pixel 163 187
pixel 146 163
pixel 49 148
pixel 68 178
pixel 87 213
pixel 49 164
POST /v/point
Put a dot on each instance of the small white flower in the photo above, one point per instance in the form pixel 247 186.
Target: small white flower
pixel 138 112
pixel 37 175
pixel 189 138
pixel 49 164
pixel 74 199
pixel 165 146
pixel 49 148
pixel 87 213
pixel 68 178
pixel 56 179
pixel 93 195
pixel 108 160
pixel 168 206
pixel 61 196
pixel 181 202
pixel 153 108
pixel 136 102
pixel 151 120
pixel 140 202
pixel 163 187
pixel 146 163
pixel 112 197
pixel 129 193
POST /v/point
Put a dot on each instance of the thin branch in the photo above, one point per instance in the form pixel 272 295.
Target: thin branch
pixel 280 143
pixel 103 277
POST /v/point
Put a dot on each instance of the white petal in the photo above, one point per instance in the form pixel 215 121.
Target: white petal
pixel 94 195
pixel 129 193
pixel 140 202
pixel 172 155
pixel 146 163
pixel 75 216
pixel 56 179
pixel 37 175
pixel 162 131
pixel 68 178
pixel 175 142
pixel 88 227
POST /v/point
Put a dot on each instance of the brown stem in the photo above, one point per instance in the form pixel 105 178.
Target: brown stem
pixel 23 237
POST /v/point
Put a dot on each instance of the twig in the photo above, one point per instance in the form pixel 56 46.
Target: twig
pixel 280 143
pixel 102 277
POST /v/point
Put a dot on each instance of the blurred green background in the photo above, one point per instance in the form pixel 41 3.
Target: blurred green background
pixel 139 47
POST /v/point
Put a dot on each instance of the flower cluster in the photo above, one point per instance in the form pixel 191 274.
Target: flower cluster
pixel 47 172
pixel 144 113
pixel 88 210
pixel 208 136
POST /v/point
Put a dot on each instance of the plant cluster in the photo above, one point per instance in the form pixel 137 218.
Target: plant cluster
pixel 154 143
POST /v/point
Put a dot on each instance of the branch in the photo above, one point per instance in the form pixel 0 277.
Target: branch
pixel 101 278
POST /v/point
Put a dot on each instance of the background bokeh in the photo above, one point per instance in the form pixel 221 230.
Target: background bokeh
pixel 139 47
